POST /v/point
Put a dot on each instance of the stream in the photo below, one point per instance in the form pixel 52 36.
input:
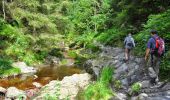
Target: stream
pixel 43 76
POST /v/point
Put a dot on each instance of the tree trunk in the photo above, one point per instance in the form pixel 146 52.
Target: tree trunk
pixel 95 25
pixel 3 7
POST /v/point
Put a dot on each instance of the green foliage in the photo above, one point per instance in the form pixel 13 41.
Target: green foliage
pixel 159 22
pixel 165 67
pixel 110 36
pixel 106 75
pixel 63 62
pixel 86 39
pixel 4 64
pixel 72 54
pixel 97 91
pixel 17 44
pixel 56 52
pixel 130 15
pixel 136 87
pixel 6 69
pixel 117 84
pixel 100 90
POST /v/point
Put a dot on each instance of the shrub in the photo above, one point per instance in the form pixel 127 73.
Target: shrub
pixel 6 68
pixel 100 89
pixel 117 84
pixel 72 54
pixel 136 87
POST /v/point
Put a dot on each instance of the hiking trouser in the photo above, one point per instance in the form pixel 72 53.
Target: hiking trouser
pixel 154 62
pixel 127 53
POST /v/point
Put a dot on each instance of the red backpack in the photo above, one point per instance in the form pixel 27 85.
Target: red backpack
pixel 159 46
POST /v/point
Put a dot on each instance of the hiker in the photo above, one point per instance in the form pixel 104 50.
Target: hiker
pixel 129 44
pixel 155 49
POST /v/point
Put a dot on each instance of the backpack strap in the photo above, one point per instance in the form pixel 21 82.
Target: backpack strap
pixel 153 49
pixel 155 37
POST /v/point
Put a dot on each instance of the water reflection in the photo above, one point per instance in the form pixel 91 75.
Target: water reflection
pixel 44 75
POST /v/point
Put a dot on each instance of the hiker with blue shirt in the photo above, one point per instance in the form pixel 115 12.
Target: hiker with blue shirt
pixel 129 45
pixel 154 51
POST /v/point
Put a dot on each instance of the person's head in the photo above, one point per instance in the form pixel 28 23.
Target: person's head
pixel 153 32
pixel 129 34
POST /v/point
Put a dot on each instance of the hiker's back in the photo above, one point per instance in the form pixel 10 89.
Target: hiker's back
pixel 129 42
pixel 159 46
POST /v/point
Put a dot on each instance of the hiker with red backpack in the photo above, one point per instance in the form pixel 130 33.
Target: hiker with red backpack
pixel 155 48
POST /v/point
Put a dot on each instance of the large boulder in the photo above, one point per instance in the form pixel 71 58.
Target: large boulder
pixel 67 88
pixel 24 68
pixel 15 94
pixel 70 86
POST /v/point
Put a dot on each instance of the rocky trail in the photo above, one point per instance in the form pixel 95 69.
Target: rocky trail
pixel 128 73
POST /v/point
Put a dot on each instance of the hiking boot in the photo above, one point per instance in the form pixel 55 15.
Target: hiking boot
pixel 125 60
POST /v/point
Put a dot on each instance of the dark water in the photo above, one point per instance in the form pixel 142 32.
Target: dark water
pixel 45 75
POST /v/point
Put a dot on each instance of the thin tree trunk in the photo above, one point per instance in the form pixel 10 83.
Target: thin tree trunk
pixel 95 25
pixel 3 7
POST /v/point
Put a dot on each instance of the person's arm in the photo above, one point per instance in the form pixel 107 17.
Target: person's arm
pixel 125 41
pixel 133 42
pixel 148 49
pixel 147 53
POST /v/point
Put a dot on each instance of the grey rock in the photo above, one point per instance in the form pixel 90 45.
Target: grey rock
pixel 14 93
pixel 133 79
pixel 159 98
pixel 168 92
pixel 24 68
pixel 96 71
pixel 138 60
pixel 118 64
pixel 134 98
pixel 152 73
pixel 136 67
pixel 143 96
pixel 122 68
pixel 68 87
pixel 125 82
pixel 131 65
pixel 115 62
pixel 119 96
pixel 145 84
pixel 131 72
